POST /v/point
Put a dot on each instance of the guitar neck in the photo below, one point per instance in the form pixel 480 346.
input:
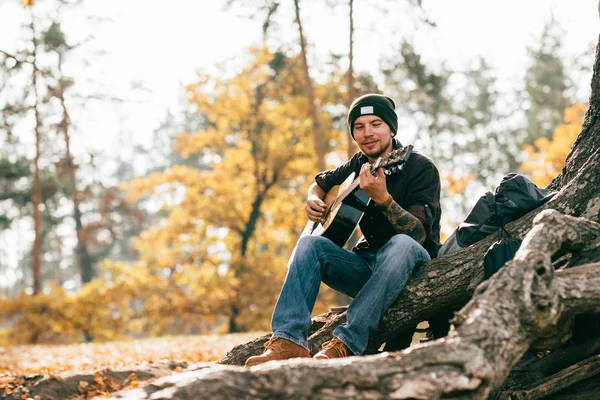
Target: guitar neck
pixel 351 187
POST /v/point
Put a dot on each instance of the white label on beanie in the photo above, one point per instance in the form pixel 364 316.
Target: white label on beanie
pixel 366 110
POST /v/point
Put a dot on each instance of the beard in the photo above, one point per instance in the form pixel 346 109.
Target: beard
pixel 380 150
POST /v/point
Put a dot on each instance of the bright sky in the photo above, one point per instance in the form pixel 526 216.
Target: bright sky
pixel 160 44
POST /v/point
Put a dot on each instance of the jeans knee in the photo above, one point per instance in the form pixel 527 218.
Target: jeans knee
pixel 402 240
pixel 403 252
pixel 310 252
pixel 311 243
pixel 406 245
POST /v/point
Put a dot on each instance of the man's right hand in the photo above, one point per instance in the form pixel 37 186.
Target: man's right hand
pixel 315 208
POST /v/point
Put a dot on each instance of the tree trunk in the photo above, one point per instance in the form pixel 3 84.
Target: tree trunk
pixel 341 298
pixel 234 312
pixel 350 78
pixel 318 138
pixel 37 186
pixel 84 261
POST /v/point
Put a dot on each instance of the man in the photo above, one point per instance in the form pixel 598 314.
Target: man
pixel 401 231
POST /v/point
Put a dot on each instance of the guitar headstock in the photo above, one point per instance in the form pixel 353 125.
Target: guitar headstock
pixel 395 160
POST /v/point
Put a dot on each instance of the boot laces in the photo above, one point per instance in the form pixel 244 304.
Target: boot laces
pixel 336 345
pixel 273 343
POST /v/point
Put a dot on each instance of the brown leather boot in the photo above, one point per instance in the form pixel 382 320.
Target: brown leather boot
pixel 278 349
pixel 334 348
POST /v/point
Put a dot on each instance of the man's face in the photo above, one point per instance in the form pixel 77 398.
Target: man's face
pixel 373 136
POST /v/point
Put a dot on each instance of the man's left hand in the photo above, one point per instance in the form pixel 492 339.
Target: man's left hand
pixel 373 185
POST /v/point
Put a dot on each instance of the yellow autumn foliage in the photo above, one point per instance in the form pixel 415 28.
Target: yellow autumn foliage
pixel 216 257
pixel 546 158
pixel 219 256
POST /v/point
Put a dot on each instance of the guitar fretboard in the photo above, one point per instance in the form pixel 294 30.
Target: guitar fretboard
pixel 400 156
pixel 355 183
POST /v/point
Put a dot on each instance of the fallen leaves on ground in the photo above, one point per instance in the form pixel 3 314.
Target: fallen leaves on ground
pixel 24 366
pixel 43 359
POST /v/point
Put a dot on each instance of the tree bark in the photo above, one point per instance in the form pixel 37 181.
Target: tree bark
pixel 560 380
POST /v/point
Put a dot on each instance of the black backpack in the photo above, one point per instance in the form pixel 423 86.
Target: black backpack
pixel 514 197
pixel 499 253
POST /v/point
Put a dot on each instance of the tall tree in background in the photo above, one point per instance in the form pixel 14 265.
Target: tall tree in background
pixel 546 85
pixel 45 105
pixel 270 7
pixel 228 228
pixel 422 93
pixel 317 132
pixel 350 85
pixel 37 186
pixel 55 41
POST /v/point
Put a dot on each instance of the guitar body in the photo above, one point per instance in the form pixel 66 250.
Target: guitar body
pixel 341 217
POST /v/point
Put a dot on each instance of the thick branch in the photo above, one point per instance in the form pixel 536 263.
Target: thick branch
pixel 578 288
pixel 560 380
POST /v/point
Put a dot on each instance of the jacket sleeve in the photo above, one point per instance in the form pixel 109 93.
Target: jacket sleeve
pixel 330 178
pixel 423 197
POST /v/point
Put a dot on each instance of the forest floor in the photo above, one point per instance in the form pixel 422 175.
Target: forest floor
pixel 79 371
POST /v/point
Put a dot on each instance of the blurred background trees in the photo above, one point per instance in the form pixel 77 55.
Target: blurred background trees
pixel 191 231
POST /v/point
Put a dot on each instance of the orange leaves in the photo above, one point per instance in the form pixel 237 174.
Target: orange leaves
pixel 547 157
pixel 8 384
pixel 455 185
pixel 41 359
pixel 102 385
pixel 30 365
pixel 131 381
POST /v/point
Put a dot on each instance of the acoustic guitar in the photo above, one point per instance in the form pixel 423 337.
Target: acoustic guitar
pixel 347 203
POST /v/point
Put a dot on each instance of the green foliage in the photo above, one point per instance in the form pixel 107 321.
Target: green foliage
pixel 545 85
pixel 14 187
pixel 12 170
pixel 423 94
pixel 54 38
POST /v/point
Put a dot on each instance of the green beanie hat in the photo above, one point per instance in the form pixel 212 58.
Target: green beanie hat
pixel 374 104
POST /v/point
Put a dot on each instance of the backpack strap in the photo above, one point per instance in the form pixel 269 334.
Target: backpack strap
pixel 493 210
pixel 503 233
pixel 491 199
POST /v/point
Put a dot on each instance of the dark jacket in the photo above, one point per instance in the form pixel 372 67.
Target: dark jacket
pixel 417 184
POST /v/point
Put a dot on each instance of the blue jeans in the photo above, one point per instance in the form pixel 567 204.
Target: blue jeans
pixel 373 278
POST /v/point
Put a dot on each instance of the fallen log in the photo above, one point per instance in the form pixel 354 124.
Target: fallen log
pixel 524 301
